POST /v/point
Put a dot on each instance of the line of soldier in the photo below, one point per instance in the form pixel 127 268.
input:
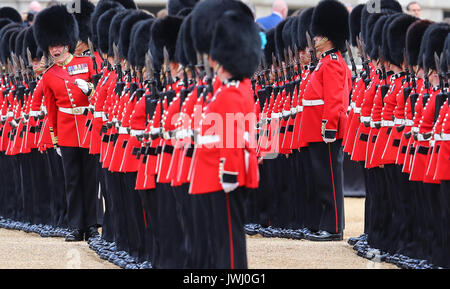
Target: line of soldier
pixel 124 117
pixel 396 130
pixel 399 133
pixel 170 198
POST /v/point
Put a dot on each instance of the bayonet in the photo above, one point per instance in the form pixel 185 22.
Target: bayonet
pixel 383 69
pixel 352 60
pixel 312 51
pixel 291 62
pixel 274 63
pixel 117 64
pixel 92 52
pixel 167 66
pixel 149 65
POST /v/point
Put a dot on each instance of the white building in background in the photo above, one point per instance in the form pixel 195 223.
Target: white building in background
pixel 436 10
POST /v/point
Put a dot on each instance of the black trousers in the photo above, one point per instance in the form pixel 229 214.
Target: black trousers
pixel 326 162
pixel 80 182
pixel 148 231
pixel 57 188
pixel 227 222
pixel 170 251
pixel 134 215
pixel 183 203
pixel 116 207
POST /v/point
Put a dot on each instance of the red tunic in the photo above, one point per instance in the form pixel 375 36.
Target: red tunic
pixel 325 100
pixel 212 161
pixel 61 92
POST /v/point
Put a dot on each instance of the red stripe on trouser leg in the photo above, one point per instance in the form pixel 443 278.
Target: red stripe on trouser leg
pixel 145 218
pixel 230 232
pixel 334 191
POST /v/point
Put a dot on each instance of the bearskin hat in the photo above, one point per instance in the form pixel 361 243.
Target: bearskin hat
pixel 126 27
pixel 370 27
pixel 180 56
pixel 294 28
pixel 368 10
pixel 269 49
pixel 4 42
pixel 140 40
pixel 55 26
pixel 164 33
pixel 330 19
pixel 375 43
pixel 128 4
pixel 385 40
pixel 114 29
pixel 188 44
pixel 432 42
pixel 11 14
pixel 397 37
pixel 304 25
pixel 414 38
pixel 236 44
pixel 279 44
pixel 84 20
pixel 101 7
pixel 286 33
pixel 102 28
pixel 4 22
pixel 175 6
pixel 354 21
pixel 205 16
pixel 12 40
pixel 19 43
pixel 30 43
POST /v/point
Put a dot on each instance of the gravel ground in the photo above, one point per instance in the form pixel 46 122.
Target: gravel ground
pixel 21 250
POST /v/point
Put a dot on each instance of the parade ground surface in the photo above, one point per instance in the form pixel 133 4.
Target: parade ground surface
pixel 28 250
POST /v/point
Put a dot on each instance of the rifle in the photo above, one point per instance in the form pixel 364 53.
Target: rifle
pixel 118 67
pixel 426 96
pixel 96 77
pixel 441 96
pixel 312 51
pixel 209 77
pixel 385 87
pixel 352 60
pixel 167 67
pixel 364 59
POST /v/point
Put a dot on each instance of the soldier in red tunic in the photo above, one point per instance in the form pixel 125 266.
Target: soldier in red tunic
pixel 224 162
pixel 324 116
pixel 67 88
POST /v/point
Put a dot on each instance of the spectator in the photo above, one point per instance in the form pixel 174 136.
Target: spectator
pixel 414 9
pixel 279 12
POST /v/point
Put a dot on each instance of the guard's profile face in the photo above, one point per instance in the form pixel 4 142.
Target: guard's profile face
pixel 56 51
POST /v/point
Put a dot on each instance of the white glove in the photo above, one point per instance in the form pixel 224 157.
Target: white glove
pixel 328 140
pixel 83 85
pixel 58 151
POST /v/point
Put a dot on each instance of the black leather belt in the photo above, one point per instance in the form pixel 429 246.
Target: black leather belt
pixel 396 143
pixel 374 138
pixel 436 150
pixel 189 152
pixel 282 129
pixel 364 137
pixel 135 151
pixel 168 149
pixel 412 150
pixel 404 149
pixel 423 150
pixel 291 128
pixel 105 138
